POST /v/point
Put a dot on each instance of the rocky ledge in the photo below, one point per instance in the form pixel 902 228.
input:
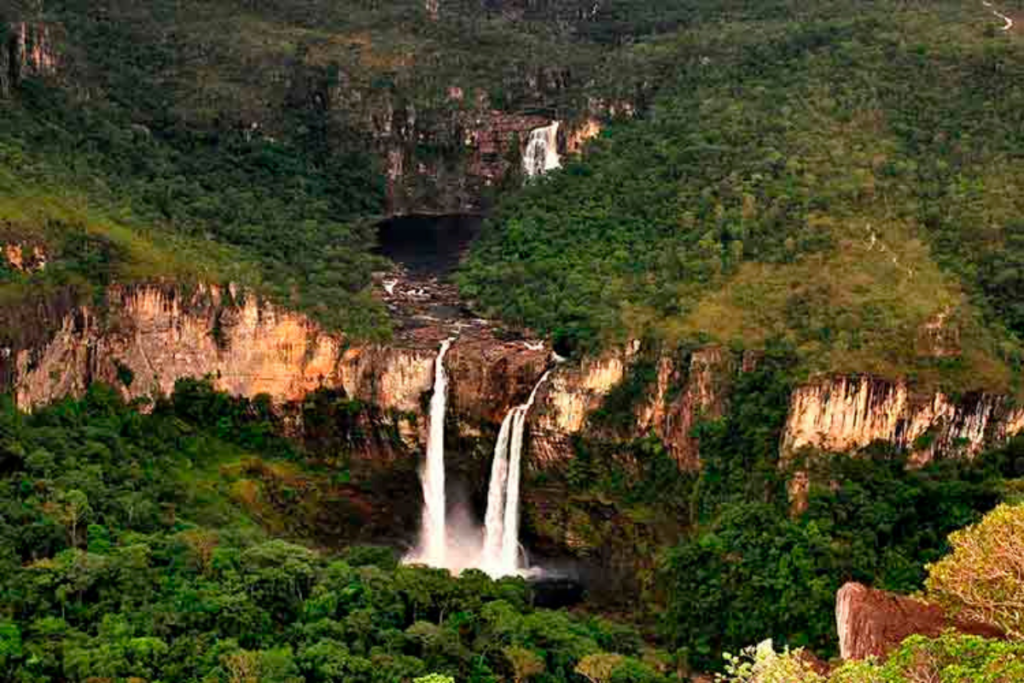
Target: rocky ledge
pixel 873 623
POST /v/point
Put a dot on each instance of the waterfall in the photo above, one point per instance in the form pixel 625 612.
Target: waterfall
pixel 500 555
pixel 494 519
pixel 433 534
pixel 542 151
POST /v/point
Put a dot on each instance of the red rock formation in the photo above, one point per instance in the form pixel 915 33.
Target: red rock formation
pixel 872 623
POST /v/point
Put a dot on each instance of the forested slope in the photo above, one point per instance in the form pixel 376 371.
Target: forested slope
pixel 839 176
pixel 245 141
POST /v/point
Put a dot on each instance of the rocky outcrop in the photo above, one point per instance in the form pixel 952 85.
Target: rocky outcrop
pixel 845 414
pixel 681 399
pixel 872 623
pixel 156 335
pixel 489 376
pixel 483 148
pixel 687 388
pixel 23 258
pixel 571 394
pixel 28 50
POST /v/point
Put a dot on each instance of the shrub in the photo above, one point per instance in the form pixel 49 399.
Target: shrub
pixel 981 578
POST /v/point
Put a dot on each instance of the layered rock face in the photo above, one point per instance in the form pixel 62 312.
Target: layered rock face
pixel 873 623
pixel 157 335
pixel 688 387
pixel 845 414
pixel 249 347
pixel 28 50
pixel 484 144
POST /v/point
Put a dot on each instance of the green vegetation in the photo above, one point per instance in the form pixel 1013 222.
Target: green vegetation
pixel 139 546
pixel 950 658
pixel 737 564
pixel 838 175
pixel 980 579
pixel 112 202
pixel 240 141
pixel 833 184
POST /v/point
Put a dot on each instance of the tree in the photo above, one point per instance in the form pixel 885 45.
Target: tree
pixel 762 664
pixel 434 678
pixel 525 663
pixel 598 667
pixel 981 578
pixel 73 509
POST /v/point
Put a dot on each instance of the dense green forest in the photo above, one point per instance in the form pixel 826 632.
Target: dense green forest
pixel 185 543
pixel 235 141
pixel 818 181
pixel 839 178
pixel 127 549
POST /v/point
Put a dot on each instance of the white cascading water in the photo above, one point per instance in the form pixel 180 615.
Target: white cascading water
pixel 453 542
pixel 433 545
pixel 500 555
pixel 494 520
pixel 542 151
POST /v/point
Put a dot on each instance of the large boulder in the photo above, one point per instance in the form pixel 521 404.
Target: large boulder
pixel 872 623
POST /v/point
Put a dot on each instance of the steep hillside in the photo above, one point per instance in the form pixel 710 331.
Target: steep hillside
pixel 842 177
pixel 261 142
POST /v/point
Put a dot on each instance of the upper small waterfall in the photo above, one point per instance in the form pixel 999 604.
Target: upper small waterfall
pixel 433 545
pixel 542 151
pixel 500 556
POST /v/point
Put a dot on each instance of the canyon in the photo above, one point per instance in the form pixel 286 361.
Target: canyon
pixel 158 333
pixel 142 338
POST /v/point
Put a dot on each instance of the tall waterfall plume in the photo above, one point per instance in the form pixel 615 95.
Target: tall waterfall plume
pixel 500 554
pixel 433 543
pixel 494 521
pixel 542 151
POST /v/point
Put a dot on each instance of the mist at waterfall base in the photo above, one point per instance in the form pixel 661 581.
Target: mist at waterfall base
pixel 451 538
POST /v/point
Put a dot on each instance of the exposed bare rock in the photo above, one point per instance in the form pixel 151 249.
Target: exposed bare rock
pixel 844 414
pixel 488 376
pixel 488 141
pixel 872 623
pixel 31 50
pixel 23 257
pixel 563 405
pixel 249 347
pixel 687 388
pixel 701 394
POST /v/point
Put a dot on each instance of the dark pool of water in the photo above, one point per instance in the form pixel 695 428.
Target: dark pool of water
pixel 427 245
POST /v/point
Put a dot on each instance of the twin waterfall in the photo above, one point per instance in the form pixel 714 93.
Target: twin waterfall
pixel 455 550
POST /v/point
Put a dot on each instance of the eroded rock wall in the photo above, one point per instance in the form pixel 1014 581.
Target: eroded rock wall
pixel 845 414
pixel 688 387
pixel 159 334
pixel 29 50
